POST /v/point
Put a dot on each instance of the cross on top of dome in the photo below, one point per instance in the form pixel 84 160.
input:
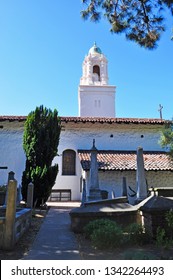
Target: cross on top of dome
pixel 95 49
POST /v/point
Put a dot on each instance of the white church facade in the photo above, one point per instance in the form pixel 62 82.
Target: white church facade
pixel 116 139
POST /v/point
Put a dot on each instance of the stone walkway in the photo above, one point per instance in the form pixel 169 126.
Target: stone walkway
pixel 55 240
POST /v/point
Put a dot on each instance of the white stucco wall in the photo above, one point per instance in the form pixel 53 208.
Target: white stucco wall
pixel 113 181
pixel 71 181
pixel 110 137
pixel 11 153
pixel 80 136
pixel 125 137
pixel 96 101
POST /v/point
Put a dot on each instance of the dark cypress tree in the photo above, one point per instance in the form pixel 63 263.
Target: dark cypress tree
pixel 40 143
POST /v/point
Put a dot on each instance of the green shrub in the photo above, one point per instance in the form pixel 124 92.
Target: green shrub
pixel 160 237
pixel 135 235
pixel 93 225
pixel 139 255
pixel 107 237
pixel 162 240
pixel 104 234
pixel 169 220
pixel 164 236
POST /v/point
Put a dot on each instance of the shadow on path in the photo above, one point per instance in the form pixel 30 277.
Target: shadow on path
pixel 55 240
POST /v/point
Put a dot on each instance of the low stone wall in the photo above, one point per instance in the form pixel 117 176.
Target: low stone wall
pixel 117 210
pixel 123 219
pixel 154 220
pixel 14 221
pixel 22 223
pixel 154 213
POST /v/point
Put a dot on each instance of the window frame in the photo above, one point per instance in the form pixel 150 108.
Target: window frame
pixel 68 162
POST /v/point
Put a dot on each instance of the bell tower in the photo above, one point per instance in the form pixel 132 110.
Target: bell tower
pixel 95 96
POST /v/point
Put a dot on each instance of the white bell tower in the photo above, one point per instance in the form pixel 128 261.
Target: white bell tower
pixel 96 98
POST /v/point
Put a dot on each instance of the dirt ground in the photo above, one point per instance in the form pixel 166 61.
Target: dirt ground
pixel 147 252
pixel 87 252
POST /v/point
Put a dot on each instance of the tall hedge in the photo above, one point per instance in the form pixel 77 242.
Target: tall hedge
pixel 40 143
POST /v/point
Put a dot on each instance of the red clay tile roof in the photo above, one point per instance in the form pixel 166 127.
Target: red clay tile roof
pixel 12 118
pixel 126 160
pixel 113 120
pixel 94 120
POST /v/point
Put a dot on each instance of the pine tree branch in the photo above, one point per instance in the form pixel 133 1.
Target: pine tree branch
pixel 140 20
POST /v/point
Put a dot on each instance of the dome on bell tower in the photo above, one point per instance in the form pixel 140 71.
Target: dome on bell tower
pixel 95 50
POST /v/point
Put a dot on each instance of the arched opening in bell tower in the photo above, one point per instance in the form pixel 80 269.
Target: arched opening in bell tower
pixel 96 72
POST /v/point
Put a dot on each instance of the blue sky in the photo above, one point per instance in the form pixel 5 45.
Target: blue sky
pixel 42 47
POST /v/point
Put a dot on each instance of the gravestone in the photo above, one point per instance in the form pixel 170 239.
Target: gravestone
pixel 84 197
pixel 94 190
pixel 141 184
pixel 154 211
pixel 30 194
pixel 19 195
pixel 124 187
